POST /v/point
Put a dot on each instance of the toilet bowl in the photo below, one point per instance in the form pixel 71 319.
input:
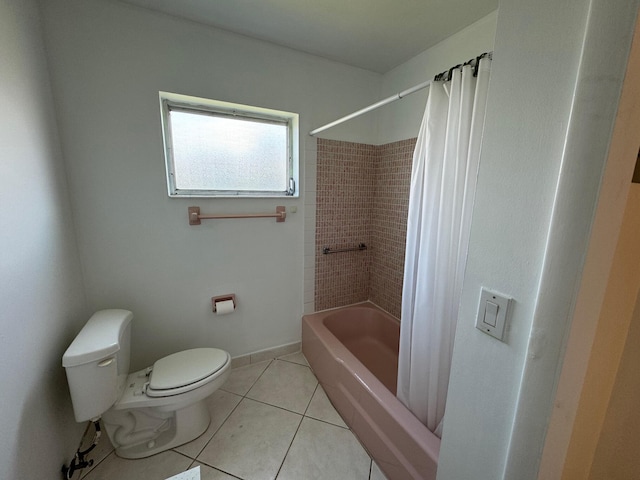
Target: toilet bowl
pixel 164 406
pixel 148 411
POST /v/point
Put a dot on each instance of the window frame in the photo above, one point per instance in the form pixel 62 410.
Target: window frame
pixel 185 103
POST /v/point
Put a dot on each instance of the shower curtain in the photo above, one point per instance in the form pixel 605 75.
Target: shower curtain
pixel 443 181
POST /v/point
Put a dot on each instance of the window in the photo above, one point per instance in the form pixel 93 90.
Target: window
pixel 221 149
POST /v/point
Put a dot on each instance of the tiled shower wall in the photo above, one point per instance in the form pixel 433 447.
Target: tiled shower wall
pixel 389 223
pixel 362 197
pixel 344 204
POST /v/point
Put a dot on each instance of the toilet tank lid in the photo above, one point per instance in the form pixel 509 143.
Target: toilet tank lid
pixel 99 338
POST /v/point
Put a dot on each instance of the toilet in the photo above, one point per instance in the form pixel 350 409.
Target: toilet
pixel 148 411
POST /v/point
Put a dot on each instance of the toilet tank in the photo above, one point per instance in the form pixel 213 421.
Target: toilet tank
pixel 97 363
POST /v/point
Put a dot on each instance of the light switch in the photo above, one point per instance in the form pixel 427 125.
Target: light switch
pixel 493 311
pixel 491 314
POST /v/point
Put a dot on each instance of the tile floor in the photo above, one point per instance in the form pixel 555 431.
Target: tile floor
pixel 271 420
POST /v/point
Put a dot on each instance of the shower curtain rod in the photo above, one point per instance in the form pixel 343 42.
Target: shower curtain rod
pixel 444 76
pixel 379 104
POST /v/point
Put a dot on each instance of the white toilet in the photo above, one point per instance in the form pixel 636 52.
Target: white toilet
pixel 148 411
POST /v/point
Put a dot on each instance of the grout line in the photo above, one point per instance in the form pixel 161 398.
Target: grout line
pixel 311 398
pixel 294 363
pixel 219 427
pixel 298 413
pixel 219 469
pixel 254 382
pixel 370 467
pixel 305 410
pixel 289 449
pixel 277 406
pixel 242 397
pixel 181 454
pixel 274 406
pixel 329 423
pixel 259 377
pixel 217 430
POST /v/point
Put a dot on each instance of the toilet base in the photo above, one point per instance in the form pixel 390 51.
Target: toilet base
pixel 142 432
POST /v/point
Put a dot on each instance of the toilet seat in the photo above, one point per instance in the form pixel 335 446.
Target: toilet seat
pixel 137 394
pixel 184 371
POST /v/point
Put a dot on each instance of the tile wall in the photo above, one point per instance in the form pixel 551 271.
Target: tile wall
pixel 362 194
pixel 389 223
pixel 344 206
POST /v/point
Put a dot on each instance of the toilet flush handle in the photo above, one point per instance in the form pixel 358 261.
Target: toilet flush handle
pixel 107 362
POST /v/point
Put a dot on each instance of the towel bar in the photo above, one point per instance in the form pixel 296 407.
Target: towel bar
pixel 195 216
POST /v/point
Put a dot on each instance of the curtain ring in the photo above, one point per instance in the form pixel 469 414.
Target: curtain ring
pixel 478 58
pixel 451 71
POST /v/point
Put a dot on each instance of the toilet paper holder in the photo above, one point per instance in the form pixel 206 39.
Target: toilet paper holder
pixel 222 298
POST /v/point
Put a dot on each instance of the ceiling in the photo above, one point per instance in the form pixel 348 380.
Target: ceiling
pixel 376 35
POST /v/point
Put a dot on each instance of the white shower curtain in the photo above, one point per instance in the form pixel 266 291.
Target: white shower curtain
pixel 443 181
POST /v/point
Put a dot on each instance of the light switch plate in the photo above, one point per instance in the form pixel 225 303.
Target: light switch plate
pixel 493 313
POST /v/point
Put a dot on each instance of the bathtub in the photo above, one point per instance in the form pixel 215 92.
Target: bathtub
pixel 354 353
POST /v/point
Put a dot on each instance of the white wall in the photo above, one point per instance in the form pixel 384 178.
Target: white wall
pixel 108 61
pixel 555 82
pixel 401 119
pixel 595 342
pixel 41 292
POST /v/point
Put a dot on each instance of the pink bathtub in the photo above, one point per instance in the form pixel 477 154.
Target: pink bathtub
pixel 354 353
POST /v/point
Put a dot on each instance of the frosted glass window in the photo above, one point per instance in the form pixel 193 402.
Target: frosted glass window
pixel 219 149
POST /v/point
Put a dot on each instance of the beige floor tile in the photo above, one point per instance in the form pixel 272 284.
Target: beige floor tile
pixel 156 467
pixel 297 357
pixel 285 385
pixel 242 378
pixel 376 473
pixel 208 473
pixel 321 408
pixel 253 441
pixel 321 451
pixel 220 405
